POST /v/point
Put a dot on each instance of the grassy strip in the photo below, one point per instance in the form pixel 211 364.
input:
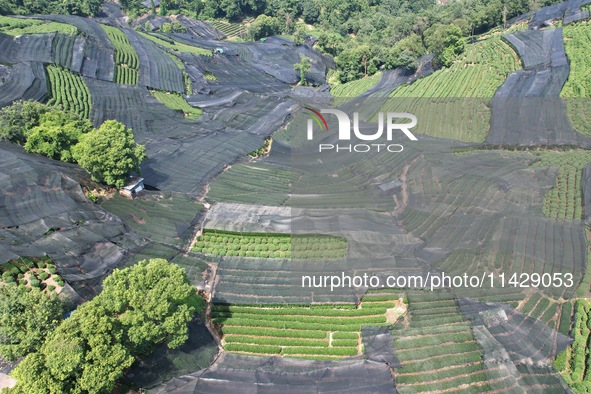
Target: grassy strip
pixel 176 102
pixel 176 46
pixel 19 26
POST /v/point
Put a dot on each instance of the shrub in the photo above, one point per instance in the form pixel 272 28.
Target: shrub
pixel 52 270
pixel 34 282
pixel 51 288
pixel 43 275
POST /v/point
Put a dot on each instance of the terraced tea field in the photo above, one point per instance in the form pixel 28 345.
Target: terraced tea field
pixel 474 78
pixel 230 29
pixel 326 331
pixel 355 88
pixel 577 89
pixel 564 200
pixel 69 91
pixel 126 60
pixel 574 363
pixel 266 245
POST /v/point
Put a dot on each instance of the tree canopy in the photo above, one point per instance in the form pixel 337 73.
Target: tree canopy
pixel 138 308
pixel 26 317
pixel 55 135
pixel 109 153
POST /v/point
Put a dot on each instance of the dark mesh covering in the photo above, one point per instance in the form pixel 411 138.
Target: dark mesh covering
pixel 527 110
pixel 232 374
pixel 43 211
pixel 24 81
pixel 378 345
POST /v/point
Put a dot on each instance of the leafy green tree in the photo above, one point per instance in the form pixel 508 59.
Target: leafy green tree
pixel 299 36
pixel 445 42
pixel 264 26
pixel 311 11
pixel 408 60
pixel 19 117
pixel 26 317
pixel 356 62
pixel 139 308
pixel 152 300
pixel 56 133
pixel 109 153
pixel 303 67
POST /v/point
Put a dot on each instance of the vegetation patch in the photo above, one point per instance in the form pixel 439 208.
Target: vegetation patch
pixel 32 272
pixel 69 91
pixel 267 245
pixel 324 331
pixel 176 102
pixel 577 89
pixel 565 199
pixel 127 64
pixel 355 88
pixel 230 29
pixel 264 149
pixel 176 46
pixel 574 362
pixel 467 85
pixel 20 26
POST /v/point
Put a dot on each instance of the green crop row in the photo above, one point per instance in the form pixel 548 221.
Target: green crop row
pixel 69 91
pixel 176 102
pixel 299 311
pixel 344 342
pixel 334 351
pixel 333 320
pixel 256 331
pixel 345 335
pixel 276 341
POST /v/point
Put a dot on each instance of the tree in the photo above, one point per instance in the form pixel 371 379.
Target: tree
pixel 311 11
pixel 299 36
pixel 445 42
pixel 139 307
pixel 408 60
pixel 265 26
pixel 109 153
pixel 15 119
pixel 26 317
pixel 303 67
pixel 55 135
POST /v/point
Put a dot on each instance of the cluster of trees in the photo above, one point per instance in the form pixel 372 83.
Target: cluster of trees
pixel 31 7
pixel 363 35
pixel 108 153
pixel 366 35
pixel 139 307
